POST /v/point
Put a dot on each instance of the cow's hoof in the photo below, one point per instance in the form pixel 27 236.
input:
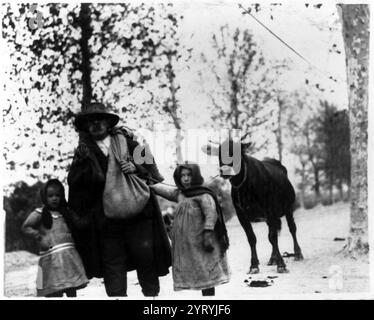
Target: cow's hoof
pixel 253 270
pixel 272 262
pixel 282 269
pixel 299 257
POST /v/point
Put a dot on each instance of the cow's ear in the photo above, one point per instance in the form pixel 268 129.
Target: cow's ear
pixel 246 139
pixel 210 150
pixel 246 146
pixel 245 142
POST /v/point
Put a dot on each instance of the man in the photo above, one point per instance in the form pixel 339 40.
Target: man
pixel 111 247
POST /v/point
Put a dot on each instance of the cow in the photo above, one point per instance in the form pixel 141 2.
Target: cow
pixel 259 189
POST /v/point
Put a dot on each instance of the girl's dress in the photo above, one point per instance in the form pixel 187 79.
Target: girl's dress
pixel 60 266
pixel 193 267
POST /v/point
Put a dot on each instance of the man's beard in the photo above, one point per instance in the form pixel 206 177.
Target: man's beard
pixel 98 133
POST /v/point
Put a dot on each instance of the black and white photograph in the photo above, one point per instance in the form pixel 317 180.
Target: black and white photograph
pixel 186 150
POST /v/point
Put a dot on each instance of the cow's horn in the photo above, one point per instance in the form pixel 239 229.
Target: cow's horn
pixel 214 142
pixel 245 135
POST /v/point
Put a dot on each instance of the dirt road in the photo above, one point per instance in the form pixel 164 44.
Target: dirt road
pixel 317 229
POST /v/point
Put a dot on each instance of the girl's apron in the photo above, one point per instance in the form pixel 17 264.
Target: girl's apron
pixel 60 267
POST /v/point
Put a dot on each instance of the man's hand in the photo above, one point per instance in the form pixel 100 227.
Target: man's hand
pixel 81 153
pixel 36 235
pixel 208 240
pixel 127 167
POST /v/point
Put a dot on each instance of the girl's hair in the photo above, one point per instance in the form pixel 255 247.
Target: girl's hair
pixel 62 207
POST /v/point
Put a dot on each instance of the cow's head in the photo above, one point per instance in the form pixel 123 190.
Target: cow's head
pixel 229 153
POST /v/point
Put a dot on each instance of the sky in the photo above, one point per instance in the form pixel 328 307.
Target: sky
pixel 311 32
pixel 305 29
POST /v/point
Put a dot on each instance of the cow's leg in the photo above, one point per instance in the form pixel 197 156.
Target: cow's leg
pixel 292 226
pixel 273 261
pixel 273 258
pixel 246 224
pixel 273 238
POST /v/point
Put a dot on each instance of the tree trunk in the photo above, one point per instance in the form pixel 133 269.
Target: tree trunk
pixel 340 188
pixel 355 22
pixel 316 183
pixel 302 186
pixel 234 111
pixel 178 149
pixel 314 164
pixel 172 108
pixel 279 129
pixel 331 193
pixel 85 68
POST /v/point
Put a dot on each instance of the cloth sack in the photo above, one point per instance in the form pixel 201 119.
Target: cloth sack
pixel 125 195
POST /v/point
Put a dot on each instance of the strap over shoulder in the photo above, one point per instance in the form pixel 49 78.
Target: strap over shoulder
pixel 127 132
pixel 39 210
pixel 119 147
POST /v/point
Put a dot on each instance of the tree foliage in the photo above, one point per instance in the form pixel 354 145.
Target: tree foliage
pixel 18 206
pixel 321 143
pixel 333 134
pixel 121 65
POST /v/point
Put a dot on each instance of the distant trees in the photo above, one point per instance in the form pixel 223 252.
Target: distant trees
pixel 237 72
pixel 299 127
pixel 174 55
pixel 333 135
pixel 281 100
pixel 321 143
pixel 18 206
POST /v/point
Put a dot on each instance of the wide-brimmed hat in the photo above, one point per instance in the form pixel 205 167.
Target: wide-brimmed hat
pixel 94 109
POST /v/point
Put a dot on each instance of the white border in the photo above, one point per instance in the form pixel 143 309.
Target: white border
pixel 285 296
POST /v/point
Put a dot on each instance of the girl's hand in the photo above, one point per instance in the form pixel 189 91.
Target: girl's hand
pixel 127 167
pixel 82 152
pixel 34 233
pixel 208 240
